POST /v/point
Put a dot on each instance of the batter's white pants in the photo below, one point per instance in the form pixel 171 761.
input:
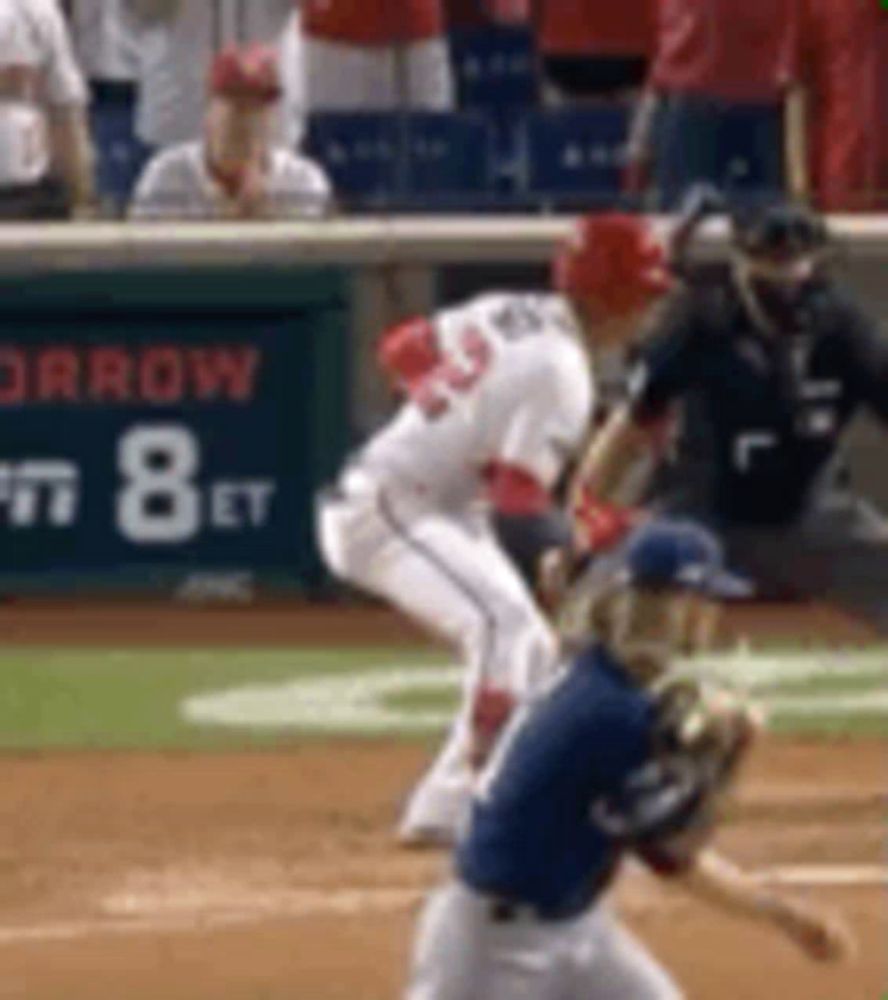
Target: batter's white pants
pixel 342 77
pixel 460 953
pixel 446 571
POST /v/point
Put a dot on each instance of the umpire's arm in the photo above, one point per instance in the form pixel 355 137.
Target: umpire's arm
pixel 666 369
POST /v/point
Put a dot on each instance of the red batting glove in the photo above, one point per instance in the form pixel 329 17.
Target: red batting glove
pixel 601 525
pixel 491 708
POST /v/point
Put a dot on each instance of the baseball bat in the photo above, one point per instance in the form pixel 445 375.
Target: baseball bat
pixel 795 143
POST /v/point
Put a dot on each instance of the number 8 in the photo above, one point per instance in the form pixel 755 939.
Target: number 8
pixel 173 483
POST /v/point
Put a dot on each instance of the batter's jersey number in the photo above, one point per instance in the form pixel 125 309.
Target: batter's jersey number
pixel 162 500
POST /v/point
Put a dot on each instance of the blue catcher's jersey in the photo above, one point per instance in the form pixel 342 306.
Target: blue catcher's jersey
pixel 534 835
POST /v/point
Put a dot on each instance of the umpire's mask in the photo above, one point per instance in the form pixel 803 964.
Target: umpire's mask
pixel 779 253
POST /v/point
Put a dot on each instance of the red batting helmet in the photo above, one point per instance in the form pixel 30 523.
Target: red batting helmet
pixel 248 72
pixel 614 258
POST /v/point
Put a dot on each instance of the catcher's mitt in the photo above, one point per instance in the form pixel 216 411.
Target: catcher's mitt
pixel 712 727
pixel 667 809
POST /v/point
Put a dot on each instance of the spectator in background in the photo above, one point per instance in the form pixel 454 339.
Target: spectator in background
pixel 177 40
pixel 842 129
pixel 376 55
pixel 719 71
pixel 46 158
pixel 291 57
pixel 107 48
pixel 462 14
pixel 592 49
pixel 236 171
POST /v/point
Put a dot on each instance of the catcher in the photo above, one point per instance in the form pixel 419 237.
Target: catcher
pixel 617 758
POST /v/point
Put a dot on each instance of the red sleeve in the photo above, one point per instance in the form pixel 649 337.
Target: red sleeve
pixel 515 491
pixel 409 351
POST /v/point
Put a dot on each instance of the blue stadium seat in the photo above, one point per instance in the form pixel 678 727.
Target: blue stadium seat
pixel 573 157
pixel 359 151
pixel 737 148
pixel 496 73
pixel 495 67
pixel 432 160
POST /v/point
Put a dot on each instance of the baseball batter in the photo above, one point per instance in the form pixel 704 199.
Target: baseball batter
pixel 443 509
pixel 615 759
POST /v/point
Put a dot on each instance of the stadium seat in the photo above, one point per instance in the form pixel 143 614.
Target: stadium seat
pixel 496 74
pixel 739 149
pixel 750 153
pixel 572 157
pixel 446 161
pixel 495 67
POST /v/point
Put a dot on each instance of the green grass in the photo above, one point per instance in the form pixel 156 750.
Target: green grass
pixel 443 698
pixel 130 699
pixel 849 683
pixel 53 698
pixel 863 725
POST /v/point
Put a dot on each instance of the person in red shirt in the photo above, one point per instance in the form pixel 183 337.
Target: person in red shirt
pixel 594 49
pixel 376 55
pixel 843 72
pixel 713 108
pixel 463 14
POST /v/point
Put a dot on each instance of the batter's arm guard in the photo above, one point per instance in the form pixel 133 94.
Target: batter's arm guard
pixel 527 538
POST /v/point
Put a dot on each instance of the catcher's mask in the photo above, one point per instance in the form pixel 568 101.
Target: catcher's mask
pixel 779 253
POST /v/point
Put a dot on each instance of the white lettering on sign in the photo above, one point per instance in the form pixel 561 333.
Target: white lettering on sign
pixel 162 502
pixel 240 503
pixel 39 492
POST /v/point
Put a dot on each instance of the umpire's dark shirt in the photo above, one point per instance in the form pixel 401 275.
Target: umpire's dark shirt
pixel 763 413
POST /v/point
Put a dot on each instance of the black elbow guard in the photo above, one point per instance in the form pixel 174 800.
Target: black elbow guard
pixel 525 537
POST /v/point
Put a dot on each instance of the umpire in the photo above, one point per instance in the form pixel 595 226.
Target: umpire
pixel 768 361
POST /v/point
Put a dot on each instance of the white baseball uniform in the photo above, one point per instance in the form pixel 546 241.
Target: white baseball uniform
pixel 408 521
pixel 37 69
pixel 177 185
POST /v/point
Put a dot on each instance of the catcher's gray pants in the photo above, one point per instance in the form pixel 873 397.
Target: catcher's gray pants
pixel 837 553
pixel 462 952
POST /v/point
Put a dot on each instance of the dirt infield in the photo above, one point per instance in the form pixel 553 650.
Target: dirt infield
pixel 271 874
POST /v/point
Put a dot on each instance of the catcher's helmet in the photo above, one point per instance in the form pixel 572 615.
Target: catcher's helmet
pixel 665 554
pixel 613 258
